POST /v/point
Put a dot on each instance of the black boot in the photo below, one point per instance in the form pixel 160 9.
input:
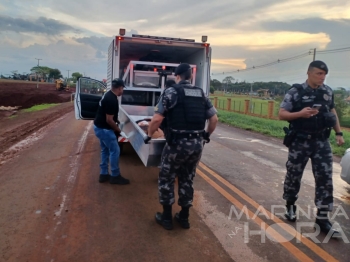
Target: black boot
pixel 291 209
pixel 182 217
pixel 165 218
pixel 323 222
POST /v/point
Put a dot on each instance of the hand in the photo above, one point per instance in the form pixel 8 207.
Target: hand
pixel 206 137
pixel 147 139
pixel 308 112
pixel 117 134
pixel 340 140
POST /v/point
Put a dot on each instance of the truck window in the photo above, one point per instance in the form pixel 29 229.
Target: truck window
pixel 141 98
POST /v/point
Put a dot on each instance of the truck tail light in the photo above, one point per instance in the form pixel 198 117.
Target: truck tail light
pixel 206 47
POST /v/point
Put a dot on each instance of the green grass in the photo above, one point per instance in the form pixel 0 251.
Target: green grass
pixel 39 107
pixel 345 121
pixel 273 128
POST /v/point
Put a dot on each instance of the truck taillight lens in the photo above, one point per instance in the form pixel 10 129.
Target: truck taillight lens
pixel 206 47
pixel 120 38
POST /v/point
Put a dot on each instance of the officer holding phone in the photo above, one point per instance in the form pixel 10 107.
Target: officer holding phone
pixel 309 109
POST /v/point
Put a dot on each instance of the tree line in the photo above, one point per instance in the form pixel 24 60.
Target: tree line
pixel 230 85
pixel 42 73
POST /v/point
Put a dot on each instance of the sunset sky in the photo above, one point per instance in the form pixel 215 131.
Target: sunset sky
pixel 74 35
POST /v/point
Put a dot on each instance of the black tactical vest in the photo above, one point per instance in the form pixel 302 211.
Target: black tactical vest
pixel 189 111
pixel 307 98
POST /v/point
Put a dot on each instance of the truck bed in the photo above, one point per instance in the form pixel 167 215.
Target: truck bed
pixel 150 154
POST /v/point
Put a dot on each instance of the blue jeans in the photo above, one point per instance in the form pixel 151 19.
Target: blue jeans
pixel 110 151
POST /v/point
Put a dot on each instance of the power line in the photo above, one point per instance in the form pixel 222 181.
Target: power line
pixel 338 50
pixel 311 52
pixel 268 64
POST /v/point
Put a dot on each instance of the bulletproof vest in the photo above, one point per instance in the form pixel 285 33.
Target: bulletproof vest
pixel 189 111
pixel 308 98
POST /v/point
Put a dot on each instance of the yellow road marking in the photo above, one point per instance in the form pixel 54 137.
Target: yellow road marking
pixel 273 233
pixel 316 249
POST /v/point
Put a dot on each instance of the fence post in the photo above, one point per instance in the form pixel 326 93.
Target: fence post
pixel 228 104
pixel 246 106
pixel 215 102
pixel 270 109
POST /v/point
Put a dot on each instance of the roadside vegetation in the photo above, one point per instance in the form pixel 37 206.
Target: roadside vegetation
pixel 273 128
pixel 39 107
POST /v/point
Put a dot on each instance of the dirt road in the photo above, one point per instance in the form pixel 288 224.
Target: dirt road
pixel 53 208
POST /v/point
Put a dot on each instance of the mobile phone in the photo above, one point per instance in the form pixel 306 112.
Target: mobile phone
pixel 316 106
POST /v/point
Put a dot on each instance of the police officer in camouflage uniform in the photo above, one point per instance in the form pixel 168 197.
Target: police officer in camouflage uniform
pixel 186 109
pixel 309 108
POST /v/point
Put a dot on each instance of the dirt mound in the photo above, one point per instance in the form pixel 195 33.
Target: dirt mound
pixel 27 94
pixel 13 130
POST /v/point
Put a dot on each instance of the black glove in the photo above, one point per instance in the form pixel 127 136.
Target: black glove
pixel 206 137
pixel 147 139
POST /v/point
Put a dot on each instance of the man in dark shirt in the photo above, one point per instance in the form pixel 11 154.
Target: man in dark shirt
pixel 105 128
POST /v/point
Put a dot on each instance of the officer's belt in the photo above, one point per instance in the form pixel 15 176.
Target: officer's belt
pixel 311 135
pixel 188 135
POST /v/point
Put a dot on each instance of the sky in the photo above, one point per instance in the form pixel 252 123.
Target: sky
pixel 75 35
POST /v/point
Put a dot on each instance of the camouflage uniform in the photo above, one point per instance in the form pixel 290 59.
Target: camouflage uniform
pixel 180 158
pixel 318 150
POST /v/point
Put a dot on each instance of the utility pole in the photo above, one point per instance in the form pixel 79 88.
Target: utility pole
pixel 68 78
pixel 38 60
pixel 251 97
pixel 314 54
pixel 37 85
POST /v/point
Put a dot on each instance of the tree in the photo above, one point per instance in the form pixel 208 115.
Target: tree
pixel 41 71
pixel 216 84
pixel 212 90
pixel 227 81
pixel 76 76
pixel 340 104
pixel 55 74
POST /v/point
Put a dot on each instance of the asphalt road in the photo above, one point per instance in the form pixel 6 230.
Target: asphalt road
pixel 54 209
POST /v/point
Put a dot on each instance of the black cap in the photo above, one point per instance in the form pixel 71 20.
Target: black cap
pixel 182 68
pixel 118 82
pixel 320 65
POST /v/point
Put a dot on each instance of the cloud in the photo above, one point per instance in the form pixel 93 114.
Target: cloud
pixel 335 28
pixel 42 25
pixel 98 43
pixel 242 34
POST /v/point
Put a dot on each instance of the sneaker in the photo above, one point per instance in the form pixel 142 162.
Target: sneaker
pixel 182 221
pixel 104 178
pixel 119 180
pixel 167 224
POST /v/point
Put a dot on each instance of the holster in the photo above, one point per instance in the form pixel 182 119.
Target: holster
pixel 288 137
pixel 327 133
pixel 170 138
